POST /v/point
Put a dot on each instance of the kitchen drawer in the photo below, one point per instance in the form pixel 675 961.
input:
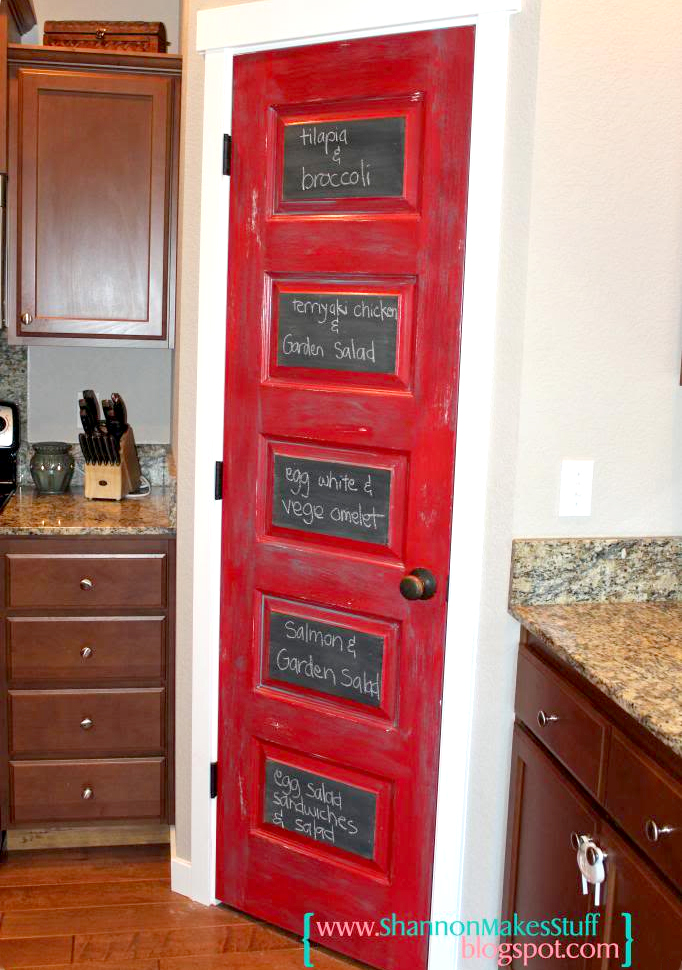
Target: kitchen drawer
pixel 54 791
pixel 568 726
pixel 97 651
pixel 641 797
pixel 86 582
pixel 86 723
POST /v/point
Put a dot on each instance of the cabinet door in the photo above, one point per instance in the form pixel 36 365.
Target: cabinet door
pixel 542 881
pixel 632 887
pixel 92 153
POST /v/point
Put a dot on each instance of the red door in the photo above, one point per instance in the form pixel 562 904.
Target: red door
pixel 347 228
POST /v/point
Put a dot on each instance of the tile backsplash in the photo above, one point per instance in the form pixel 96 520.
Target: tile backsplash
pixel 563 571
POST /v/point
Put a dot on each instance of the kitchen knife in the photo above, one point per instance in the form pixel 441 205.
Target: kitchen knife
pixel 99 449
pixel 113 450
pixel 114 426
pixel 120 411
pixel 106 447
pixel 86 418
pixel 92 405
pixel 85 450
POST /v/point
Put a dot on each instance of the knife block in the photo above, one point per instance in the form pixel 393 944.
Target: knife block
pixel 113 482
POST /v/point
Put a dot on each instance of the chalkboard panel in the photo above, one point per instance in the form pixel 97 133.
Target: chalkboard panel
pixel 338 331
pixel 331 659
pixel 361 158
pixel 332 498
pixel 320 808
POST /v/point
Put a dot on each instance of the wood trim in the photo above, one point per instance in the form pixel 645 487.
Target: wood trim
pixel 83 59
pixel 4 27
pixel 23 14
pixel 73 837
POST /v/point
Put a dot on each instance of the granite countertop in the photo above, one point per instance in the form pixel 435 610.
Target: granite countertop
pixel 630 651
pixel 71 514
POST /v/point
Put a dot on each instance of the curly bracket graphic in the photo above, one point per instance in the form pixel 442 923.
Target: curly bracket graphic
pixel 627 919
pixel 306 940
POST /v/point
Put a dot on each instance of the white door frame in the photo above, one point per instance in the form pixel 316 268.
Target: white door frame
pixel 222 34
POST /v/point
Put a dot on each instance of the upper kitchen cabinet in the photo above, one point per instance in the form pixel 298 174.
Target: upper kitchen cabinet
pixel 92 201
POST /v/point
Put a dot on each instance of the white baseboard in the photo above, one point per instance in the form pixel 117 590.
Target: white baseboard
pixel 181 876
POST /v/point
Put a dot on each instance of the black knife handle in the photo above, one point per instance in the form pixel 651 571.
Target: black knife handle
pixel 92 405
pixel 120 410
pixel 85 451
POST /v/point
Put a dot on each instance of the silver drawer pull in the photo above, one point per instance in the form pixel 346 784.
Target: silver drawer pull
pixel 653 831
pixel 86 723
pixel 86 584
pixel 87 793
pixel 544 719
pixel 86 652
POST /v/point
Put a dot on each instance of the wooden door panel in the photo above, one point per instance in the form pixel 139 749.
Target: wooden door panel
pixel 381 358
pixel 93 178
pixel 655 912
pixel 86 723
pixel 338 478
pixel 542 880
pixel 355 662
pixel 307 189
pixel 92 651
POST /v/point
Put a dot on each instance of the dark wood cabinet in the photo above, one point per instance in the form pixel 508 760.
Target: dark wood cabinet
pixel 632 887
pixel 86 626
pixel 92 203
pixel 579 768
pixel 545 809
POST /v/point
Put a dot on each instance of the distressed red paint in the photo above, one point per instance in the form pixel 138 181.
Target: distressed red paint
pixel 404 422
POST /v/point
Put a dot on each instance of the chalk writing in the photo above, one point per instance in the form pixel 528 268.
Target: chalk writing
pixel 320 808
pixel 358 158
pixel 331 659
pixel 332 498
pixel 338 331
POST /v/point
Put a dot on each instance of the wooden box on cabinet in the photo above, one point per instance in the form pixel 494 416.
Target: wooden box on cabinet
pixel 92 205
pixel 86 626
pixel 554 797
pixel 125 35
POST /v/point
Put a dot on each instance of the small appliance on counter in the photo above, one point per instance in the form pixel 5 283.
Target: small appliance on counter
pixel 112 468
pixel 10 437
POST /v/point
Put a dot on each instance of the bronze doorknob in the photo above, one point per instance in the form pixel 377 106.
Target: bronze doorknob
pixel 419 584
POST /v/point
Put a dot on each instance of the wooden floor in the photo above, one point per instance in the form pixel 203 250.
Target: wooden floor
pixel 113 908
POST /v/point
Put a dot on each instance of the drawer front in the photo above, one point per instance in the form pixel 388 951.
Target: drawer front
pixel 86 723
pixel 54 791
pixel 95 651
pixel 564 723
pixel 645 801
pixel 86 582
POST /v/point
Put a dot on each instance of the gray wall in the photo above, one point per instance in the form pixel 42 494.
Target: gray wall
pixel 58 375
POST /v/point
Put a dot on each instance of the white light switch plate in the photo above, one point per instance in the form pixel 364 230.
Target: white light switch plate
pixel 575 495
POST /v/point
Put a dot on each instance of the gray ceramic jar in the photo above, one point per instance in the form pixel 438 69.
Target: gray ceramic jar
pixel 52 465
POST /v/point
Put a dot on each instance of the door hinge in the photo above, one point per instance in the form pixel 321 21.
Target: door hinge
pixel 214 779
pixel 227 154
pixel 218 480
